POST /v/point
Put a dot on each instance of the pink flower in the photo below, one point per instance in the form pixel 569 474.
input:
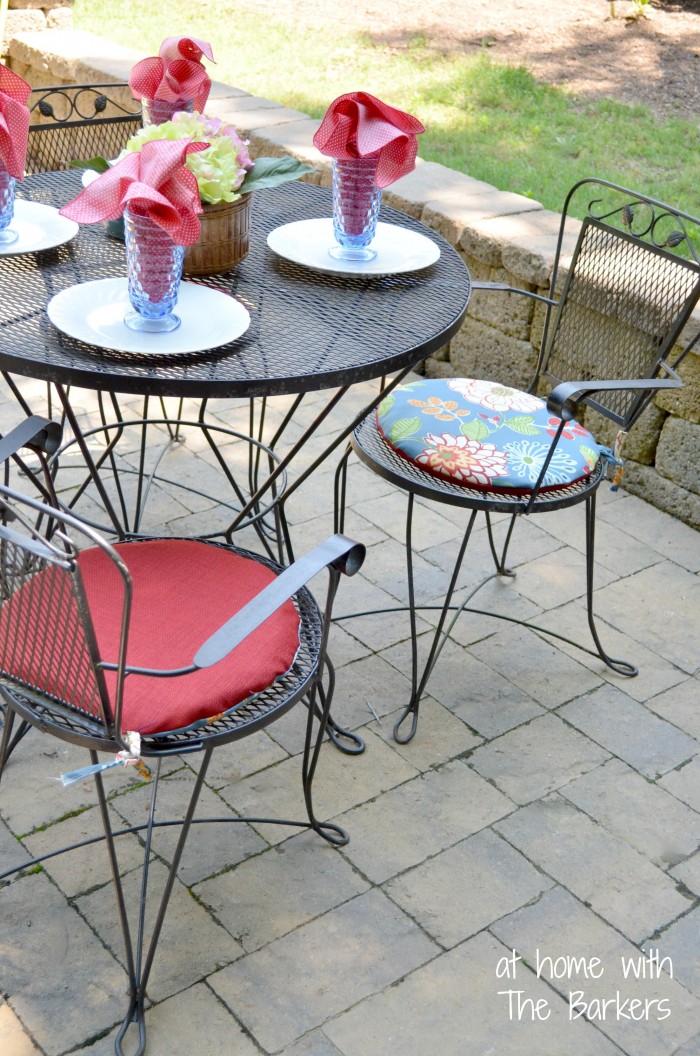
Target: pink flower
pixel 466 461
pixel 240 144
pixel 569 432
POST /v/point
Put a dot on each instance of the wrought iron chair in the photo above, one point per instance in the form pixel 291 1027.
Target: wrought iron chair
pixel 151 648
pixel 613 335
pixel 119 476
pixel 78 121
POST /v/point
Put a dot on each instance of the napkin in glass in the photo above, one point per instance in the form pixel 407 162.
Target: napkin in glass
pixel 357 125
pixel 153 182
pixel 176 72
pixel 14 122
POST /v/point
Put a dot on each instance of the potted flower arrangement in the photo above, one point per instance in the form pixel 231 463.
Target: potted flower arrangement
pixel 226 177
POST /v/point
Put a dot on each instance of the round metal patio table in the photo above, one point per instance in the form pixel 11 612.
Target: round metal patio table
pixel 309 329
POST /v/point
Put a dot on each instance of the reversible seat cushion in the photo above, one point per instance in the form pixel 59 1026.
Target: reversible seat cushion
pixel 483 435
pixel 183 591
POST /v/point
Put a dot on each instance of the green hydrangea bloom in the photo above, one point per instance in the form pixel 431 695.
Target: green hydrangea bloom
pixel 220 169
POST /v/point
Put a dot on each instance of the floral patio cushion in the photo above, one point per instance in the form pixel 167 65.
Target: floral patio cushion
pixel 483 435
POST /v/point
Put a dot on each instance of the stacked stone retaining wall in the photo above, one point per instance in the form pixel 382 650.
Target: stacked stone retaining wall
pixel 33 16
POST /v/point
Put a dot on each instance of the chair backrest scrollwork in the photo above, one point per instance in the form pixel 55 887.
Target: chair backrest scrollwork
pixel 79 121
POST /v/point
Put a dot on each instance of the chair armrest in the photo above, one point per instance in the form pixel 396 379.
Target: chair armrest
pixel 563 398
pixel 503 287
pixel 338 552
pixel 33 432
pixel 38 547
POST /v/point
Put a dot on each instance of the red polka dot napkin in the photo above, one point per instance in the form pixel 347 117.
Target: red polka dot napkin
pixel 185 48
pixel 153 182
pixel 14 122
pixel 176 72
pixel 357 124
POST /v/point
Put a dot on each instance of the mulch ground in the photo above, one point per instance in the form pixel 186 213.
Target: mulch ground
pixel 651 61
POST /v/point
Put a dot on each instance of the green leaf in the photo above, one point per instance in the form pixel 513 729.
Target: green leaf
pixel 523 425
pixel 97 164
pixel 476 430
pixel 386 405
pixel 271 172
pixel 589 454
pixel 404 427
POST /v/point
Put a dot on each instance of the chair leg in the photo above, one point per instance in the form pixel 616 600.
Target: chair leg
pixel 318 707
pixel 9 719
pixel 440 636
pixel 138 967
pixel 133 1014
pixel 344 740
pixel 8 743
pixel 499 556
pixel 340 491
pixel 623 667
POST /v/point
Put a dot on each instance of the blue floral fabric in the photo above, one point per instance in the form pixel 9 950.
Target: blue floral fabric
pixel 483 435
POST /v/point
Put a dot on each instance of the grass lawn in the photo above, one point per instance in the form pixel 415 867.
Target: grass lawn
pixel 492 121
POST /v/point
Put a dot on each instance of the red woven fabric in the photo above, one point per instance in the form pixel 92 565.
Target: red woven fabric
pixel 357 125
pixel 175 73
pixel 14 122
pixel 154 182
pixel 183 591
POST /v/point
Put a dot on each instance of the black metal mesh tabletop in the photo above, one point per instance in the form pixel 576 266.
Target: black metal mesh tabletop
pixel 309 329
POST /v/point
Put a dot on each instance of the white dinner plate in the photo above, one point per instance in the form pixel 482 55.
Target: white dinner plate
pixel 94 312
pixel 39 227
pixel 398 249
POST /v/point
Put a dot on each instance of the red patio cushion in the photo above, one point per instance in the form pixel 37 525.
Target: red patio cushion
pixel 183 590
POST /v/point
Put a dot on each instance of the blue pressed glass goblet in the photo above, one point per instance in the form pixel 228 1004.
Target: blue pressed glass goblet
pixel 154 264
pixel 156 111
pixel 356 200
pixel 7 208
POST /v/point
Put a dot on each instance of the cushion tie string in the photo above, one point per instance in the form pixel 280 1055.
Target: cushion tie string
pixel 131 756
pixel 616 459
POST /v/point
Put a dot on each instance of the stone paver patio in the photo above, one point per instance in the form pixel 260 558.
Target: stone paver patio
pixel 538 839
